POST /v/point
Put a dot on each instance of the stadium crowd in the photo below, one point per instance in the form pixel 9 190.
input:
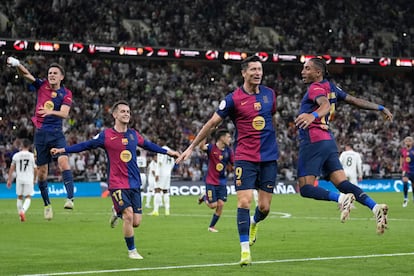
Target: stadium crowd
pixel 322 27
pixel 175 99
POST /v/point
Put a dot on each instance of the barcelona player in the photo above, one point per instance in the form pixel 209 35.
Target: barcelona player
pixel 252 108
pixel 124 183
pixel 220 156
pixel 318 152
pixel 407 166
pixel 53 105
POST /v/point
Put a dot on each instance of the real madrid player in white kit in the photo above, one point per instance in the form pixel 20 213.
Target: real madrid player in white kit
pixel 352 163
pixel 165 164
pixel 23 163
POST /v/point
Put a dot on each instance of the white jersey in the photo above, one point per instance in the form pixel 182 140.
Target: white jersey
pixel 165 164
pixel 152 172
pixel 141 161
pixel 25 166
pixel 352 163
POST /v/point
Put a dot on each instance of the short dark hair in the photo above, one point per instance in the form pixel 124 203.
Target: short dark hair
pixel 57 65
pixel 26 143
pixel 321 64
pixel 115 105
pixel 245 62
pixel 219 133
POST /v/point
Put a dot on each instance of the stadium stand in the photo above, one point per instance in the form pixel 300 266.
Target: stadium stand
pixel 174 99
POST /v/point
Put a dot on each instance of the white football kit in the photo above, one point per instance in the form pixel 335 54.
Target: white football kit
pixel 352 163
pixel 165 164
pixel 25 167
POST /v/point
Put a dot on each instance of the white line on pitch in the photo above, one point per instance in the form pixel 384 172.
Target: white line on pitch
pixel 224 264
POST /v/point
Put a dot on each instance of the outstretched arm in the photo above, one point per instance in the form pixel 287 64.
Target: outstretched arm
pixel 14 62
pixel 10 177
pixel 214 121
pixel 364 104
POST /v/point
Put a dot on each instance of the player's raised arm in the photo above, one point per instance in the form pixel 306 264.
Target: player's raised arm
pixel 14 62
pixel 214 121
pixel 364 104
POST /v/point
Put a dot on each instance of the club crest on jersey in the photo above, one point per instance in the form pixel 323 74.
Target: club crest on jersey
pixel 408 159
pixel 219 167
pixel 257 106
pixel 53 94
pixel 124 141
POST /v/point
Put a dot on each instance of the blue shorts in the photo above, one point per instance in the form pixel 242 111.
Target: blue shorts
pixel 124 198
pixel 318 159
pixel 216 192
pixel 255 175
pixel 44 141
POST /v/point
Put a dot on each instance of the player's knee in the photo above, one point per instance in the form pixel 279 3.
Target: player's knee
pixel 264 208
pixel 212 205
pixel 127 215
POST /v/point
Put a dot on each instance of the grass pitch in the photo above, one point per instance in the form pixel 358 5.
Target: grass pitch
pixel 300 237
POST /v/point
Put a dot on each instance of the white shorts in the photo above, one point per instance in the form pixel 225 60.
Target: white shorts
pixel 143 179
pixel 164 182
pixel 151 184
pixel 25 189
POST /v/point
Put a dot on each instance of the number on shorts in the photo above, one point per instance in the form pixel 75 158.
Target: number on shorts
pixel 117 195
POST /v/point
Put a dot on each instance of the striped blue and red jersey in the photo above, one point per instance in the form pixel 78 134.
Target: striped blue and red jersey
pixel 50 99
pixel 319 130
pixel 255 137
pixel 217 163
pixel 120 148
pixel 408 160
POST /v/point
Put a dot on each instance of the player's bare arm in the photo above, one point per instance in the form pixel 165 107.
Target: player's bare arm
pixel 364 104
pixel 305 119
pixel 63 112
pixel 14 62
pixel 203 144
pixel 214 121
pixel 173 153
pixel 55 151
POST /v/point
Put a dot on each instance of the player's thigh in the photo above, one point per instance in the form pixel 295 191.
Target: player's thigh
pixel 19 188
pixel 246 175
pixel 313 158
pixel 267 176
pixel 124 198
pixel 28 189
pixel 163 183
pixel 42 153
pixel 215 193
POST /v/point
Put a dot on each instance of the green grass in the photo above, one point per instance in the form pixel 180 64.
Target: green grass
pixel 312 241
